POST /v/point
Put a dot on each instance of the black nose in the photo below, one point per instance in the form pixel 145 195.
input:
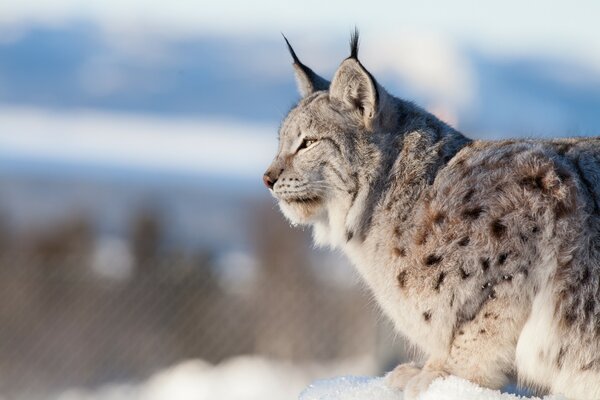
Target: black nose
pixel 268 181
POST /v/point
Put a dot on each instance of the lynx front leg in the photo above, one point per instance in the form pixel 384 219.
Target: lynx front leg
pixel 480 365
pixel 483 349
pixel 421 381
pixel 399 377
pixel 412 379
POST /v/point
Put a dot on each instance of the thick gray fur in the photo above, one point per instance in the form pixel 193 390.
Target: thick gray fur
pixel 485 254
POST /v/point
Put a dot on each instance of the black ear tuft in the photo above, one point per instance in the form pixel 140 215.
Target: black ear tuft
pixel 354 44
pixel 308 82
pixel 292 52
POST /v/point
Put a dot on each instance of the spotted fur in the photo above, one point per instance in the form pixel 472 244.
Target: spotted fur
pixel 485 254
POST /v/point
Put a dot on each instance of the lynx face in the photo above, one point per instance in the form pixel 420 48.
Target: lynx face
pixel 320 140
pixel 310 170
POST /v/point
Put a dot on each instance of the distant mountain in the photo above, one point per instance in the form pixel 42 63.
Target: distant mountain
pixel 75 67
pixel 232 77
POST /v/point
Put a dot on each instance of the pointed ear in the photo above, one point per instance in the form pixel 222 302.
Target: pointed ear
pixel 354 86
pixel 307 80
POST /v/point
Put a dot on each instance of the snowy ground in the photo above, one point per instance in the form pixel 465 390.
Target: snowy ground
pixel 362 388
pixel 240 378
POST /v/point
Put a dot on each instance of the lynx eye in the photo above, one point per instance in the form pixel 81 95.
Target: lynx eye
pixel 306 143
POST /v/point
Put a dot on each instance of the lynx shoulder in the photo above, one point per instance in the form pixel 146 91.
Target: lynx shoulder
pixel 485 254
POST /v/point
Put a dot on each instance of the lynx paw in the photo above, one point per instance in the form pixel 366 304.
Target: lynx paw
pixel 420 382
pixel 399 376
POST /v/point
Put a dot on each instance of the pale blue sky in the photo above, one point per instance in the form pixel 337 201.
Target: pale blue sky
pixel 568 27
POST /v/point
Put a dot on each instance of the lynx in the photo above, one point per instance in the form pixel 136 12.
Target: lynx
pixel 484 254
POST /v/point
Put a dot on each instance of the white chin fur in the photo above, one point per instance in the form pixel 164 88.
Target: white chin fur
pixel 289 213
pixel 299 215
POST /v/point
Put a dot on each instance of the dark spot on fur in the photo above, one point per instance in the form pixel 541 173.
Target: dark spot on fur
pixel 535 182
pixel 588 308
pixel 427 316
pixel 464 316
pixel 559 357
pixel 439 218
pixel 397 231
pixel 487 315
pixel 563 148
pixel 524 271
pixel 464 241
pixel 563 174
pixel 482 331
pixel 349 236
pixel 492 295
pixel 585 276
pixel 523 238
pixel 499 189
pixel 463 274
pixel 432 259
pixel 452 300
pixel 502 258
pixel 469 195
pixel 497 228
pixel 569 317
pixel 485 264
pixel 461 332
pixel 535 229
pixel 401 279
pixel 399 251
pixel 439 281
pixel 472 213
pixel 562 209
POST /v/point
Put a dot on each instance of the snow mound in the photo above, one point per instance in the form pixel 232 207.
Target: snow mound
pixel 364 388
pixel 350 388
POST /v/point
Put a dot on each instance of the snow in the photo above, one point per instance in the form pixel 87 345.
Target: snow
pixel 244 378
pixel 364 388
pixel 350 388
pixel 238 378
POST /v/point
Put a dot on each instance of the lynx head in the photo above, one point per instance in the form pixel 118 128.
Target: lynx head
pixel 326 139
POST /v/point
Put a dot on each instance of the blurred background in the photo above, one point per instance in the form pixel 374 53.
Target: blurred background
pixel 140 256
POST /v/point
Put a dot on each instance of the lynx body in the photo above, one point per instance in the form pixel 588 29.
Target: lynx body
pixel 485 254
